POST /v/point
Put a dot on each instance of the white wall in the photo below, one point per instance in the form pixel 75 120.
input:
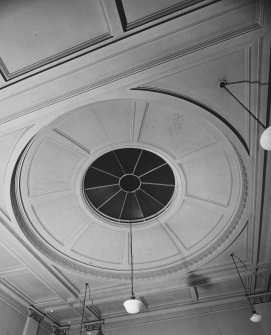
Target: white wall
pixel 11 320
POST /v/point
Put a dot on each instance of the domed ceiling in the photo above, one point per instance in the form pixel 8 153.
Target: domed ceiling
pixel 166 169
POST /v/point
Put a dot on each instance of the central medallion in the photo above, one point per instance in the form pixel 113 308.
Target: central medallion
pixel 129 184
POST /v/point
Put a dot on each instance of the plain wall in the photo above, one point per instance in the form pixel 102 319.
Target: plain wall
pixel 11 320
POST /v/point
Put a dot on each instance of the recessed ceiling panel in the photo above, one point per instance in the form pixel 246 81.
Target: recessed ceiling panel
pixel 7 260
pixel 96 126
pixel 175 131
pixel 102 244
pixel 140 12
pixel 35 32
pixel 60 216
pixel 209 175
pixel 7 144
pixel 152 246
pixel 168 297
pixel 193 222
pixel 53 168
pixel 31 286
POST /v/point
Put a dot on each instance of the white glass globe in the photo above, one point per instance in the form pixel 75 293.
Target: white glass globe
pixel 265 139
pixel 132 306
pixel 255 317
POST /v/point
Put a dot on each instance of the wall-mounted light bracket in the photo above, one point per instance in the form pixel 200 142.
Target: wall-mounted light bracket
pixel 265 139
pixel 93 325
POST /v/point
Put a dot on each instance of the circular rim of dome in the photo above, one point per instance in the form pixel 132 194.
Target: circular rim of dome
pixel 129 184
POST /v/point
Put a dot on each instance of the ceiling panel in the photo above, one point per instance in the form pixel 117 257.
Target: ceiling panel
pixel 7 144
pixel 139 12
pixel 7 260
pixel 230 285
pixel 168 297
pixel 31 286
pixel 42 31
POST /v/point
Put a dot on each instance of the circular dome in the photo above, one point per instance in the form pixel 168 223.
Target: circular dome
pixel 182 178
pixel 129 184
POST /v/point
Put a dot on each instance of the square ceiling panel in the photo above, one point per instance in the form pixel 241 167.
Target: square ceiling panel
pixel 37 32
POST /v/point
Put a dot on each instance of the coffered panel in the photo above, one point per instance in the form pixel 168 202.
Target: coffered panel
pixel 30 286
pixel 34 33
pixel 139 12
pixel 8 262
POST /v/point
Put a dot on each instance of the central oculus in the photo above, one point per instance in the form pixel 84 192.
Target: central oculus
pixel 129 184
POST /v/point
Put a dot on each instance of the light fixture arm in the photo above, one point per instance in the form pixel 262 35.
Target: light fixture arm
pixel 243 284
pixel 84 304
pixel 224 84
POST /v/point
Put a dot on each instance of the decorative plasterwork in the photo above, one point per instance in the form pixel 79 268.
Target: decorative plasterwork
pixel 35 314
pixel 203 218
pixel 59 330
pixel 260 298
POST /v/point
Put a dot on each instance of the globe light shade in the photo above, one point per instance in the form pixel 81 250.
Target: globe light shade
pixel 132 305
pixel 265 139
pixel 255 317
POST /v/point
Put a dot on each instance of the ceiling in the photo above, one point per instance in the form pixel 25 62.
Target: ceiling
pixel 79 83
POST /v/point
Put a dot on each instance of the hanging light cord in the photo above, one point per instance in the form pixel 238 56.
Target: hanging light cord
pixel 84 303
pixel 223 84
pixel 243 284
pixel 132 265
pixel 131 252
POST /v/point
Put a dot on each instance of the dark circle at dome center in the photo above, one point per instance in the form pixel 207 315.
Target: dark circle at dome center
pixel 129 184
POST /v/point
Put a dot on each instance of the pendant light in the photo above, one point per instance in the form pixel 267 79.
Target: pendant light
pixel 255 317
pixel 132 305
pixel 265 139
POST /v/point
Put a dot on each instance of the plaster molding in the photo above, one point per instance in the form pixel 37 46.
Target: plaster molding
pixel 35 314
pixel 260 298
pixel 59 330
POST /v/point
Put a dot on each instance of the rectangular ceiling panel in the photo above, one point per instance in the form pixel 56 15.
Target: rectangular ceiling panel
pixel 135 13
pixel 31 286
pixel 36 32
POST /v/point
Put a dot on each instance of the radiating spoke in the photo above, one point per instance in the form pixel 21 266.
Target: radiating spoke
pixel 159 202
pixel 139 206
pixel 109 199
pixel 119 163
pixel 98 187
pixel 123 206
pixel 157 184
pixel 103 171
pixel 137 160
pixel 158 167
